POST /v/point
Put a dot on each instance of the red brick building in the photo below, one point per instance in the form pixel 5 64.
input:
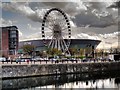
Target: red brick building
pixel 9 41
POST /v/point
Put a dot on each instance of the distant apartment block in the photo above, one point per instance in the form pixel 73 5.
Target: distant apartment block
pixel 9 38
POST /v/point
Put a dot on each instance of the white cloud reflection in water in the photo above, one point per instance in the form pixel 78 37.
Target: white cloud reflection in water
pixel 102 83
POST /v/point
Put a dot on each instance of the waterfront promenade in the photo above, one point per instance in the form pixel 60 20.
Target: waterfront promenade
pixel 36 69
pixel 47 62
pixel 32 63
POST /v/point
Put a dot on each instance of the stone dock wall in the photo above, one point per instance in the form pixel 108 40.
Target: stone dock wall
pixel 16 71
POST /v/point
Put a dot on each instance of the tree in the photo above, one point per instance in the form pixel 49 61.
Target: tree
pixel 73 51
pixel 99 52
pixel 81 52
pixel 88 51
pixel 111 50
pixel 116 51
pixel 102 53
pixel 54 51
pixel 28 49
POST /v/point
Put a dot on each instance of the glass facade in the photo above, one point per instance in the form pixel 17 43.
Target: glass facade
pixel 13 40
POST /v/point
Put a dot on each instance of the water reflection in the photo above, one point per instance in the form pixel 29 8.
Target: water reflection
pixel 106 83
pixel 70 81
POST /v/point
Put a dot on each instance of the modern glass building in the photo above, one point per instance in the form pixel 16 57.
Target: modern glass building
pixel 75 43
pixel 9 41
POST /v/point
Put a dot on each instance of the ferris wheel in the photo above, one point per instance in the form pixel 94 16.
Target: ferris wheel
pixel 56 28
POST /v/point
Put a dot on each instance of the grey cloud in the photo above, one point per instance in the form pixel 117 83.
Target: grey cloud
pixel 115 5
pixel 82 11
pixel 56 4
pixel 71 8
pixel 96 30
pixel 35 11
pixel 92 20
pixel 95 5
pixel 5 22
pixel 24 9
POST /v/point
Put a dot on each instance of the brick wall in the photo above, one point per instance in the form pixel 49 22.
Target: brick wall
pixel 5 44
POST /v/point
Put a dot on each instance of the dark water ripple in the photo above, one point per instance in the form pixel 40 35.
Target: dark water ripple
pixel 83 80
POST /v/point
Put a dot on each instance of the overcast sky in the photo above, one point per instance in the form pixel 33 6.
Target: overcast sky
pixel 88 19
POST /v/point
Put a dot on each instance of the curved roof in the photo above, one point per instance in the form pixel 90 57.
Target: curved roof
pixel 74 42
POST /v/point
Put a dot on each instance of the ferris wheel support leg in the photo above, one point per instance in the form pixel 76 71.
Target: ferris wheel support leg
pixel 66 47
pixel 62 46
pixel 59 48
pixel 50 43
pixel 55 43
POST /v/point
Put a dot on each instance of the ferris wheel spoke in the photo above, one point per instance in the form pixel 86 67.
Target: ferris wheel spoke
pixel 48 23
pixel 64 37
pixel 62 23
pixel 66 47
pixel 50 42
pixel 52 22
pixel 62 46
pixel 64 28
pixel 49 36
pixel 55 21
pixel 65 32
pixel 65 44
pixel 59 47
pixel 48 27
pixel 56 43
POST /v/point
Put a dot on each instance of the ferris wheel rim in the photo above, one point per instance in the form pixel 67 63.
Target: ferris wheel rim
pixel 66 20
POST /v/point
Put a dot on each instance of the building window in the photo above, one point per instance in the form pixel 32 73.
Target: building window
pixel 13 36
pixel 13 32
pixel 11 52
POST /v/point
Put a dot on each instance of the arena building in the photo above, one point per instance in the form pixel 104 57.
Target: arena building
pixel 75 43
